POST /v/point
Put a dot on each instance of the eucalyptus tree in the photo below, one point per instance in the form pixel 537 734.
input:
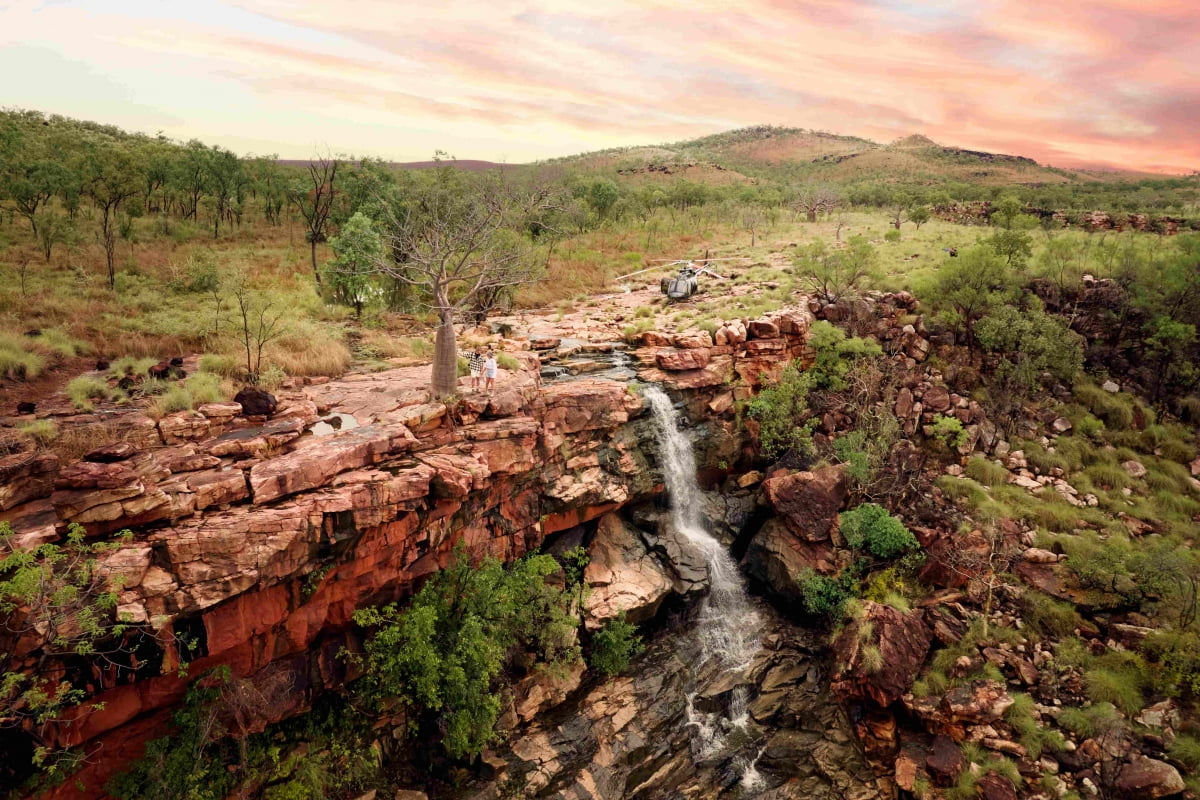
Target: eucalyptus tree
pixel 111 176
pixel 313 196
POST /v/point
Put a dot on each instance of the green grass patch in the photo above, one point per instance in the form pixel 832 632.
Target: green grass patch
pixel 985 472
pixel 85 390
pixel 43 431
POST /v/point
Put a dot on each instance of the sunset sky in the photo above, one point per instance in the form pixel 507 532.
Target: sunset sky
pixel 1102 83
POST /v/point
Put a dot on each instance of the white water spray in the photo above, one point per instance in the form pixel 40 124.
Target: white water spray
pixel 728 629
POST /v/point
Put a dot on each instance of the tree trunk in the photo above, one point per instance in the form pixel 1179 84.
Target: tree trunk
pixel 445 355
pixel 317 273
pixel 812 215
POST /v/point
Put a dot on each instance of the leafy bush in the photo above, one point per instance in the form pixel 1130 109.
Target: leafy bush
pixel 1174 657
pixel 780 411
pixel 615 645
pixel 445 654
pixel 948 431
pixel 869 526
pixel 508 362
pixel 822 595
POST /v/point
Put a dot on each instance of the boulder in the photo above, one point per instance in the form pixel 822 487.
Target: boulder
pixel 692 340
pixel 936 398
pixel 679 360
pixel 1148 778
pixel 809 502
pixel 992 786
pixel 902 639
pixel 655 339
pixel 256 402
pixel 945 761
pixel 1134 468
pixel 778 557
pixel 1111 387
pixel 762 329
pixel 622 575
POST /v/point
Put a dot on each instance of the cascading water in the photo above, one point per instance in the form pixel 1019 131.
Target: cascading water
pixel 728 627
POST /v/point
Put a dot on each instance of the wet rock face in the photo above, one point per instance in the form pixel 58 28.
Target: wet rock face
pixel 637 735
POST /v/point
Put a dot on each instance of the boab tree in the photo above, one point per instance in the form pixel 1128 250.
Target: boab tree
pixel 455 240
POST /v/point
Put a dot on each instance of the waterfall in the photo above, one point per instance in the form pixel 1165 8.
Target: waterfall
pixel 728 629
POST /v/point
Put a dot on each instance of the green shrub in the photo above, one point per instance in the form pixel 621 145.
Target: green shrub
pixel 444 655
pixel 780 411
pixel 130 365
pixel 948 431
pixel 643 312
pixel 870 527
pixel 175 398
pixel 987 473
pixel 1043 460
pixel 1033 736
pixel 822 595
pixel 615 645
pixel 86 388
pixel 1087 722
pixel 1178 450
pixel 1109 476
pixel 59 343
pixel 1174 658
pixel 508 362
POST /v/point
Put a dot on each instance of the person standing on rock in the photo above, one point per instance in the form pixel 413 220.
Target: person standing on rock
pixel 475 362
pixel 489 370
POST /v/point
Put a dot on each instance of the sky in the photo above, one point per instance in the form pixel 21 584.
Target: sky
pixel 1106 83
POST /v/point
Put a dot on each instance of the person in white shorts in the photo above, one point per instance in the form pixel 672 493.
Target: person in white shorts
pixel 489 370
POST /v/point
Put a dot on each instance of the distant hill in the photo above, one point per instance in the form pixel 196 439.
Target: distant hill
pixel 774 153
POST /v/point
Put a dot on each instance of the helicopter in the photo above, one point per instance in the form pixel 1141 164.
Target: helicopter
pixel 684 284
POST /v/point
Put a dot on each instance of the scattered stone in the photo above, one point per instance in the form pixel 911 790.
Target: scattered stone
pixel 1061 425
pixel 1134 468
pixel 1147 778
pixel 256 402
